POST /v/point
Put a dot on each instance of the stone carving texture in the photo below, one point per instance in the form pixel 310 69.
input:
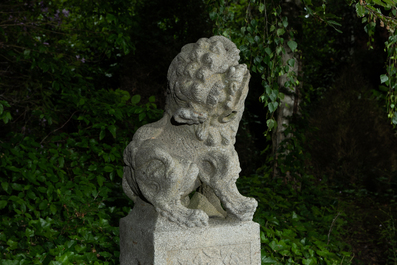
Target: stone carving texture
pixel 192 146
pixel 219 255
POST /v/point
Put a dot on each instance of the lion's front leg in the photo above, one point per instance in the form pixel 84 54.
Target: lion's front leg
pixel 220 170
pixel 163 180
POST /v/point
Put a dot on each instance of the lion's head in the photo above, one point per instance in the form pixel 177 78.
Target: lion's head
pixel 207 85
pixel 206 79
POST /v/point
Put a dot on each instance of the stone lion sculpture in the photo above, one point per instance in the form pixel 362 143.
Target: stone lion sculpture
pixel 192 147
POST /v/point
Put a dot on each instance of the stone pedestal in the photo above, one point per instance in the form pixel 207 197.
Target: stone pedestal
pixel 146 238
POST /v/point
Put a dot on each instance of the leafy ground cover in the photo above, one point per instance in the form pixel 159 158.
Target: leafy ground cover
pixel 371 229
pixel 298 226
pixel 61 198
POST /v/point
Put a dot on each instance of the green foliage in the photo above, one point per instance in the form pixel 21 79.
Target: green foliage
pixel 385 12
pixel 297 227
pixel 263 33
pixel 61 197
pixel 5 115
pixel 262 43
pixel 373 215
pixel 302 221
pixel 389 233
pixel 54 48
pixel 61 156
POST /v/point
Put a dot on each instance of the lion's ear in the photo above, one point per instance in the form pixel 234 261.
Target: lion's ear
pixel 189 116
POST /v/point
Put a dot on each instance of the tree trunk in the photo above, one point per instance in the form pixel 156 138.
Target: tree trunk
pixel 289 106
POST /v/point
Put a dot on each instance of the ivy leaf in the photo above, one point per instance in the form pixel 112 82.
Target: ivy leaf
pixel 29 232
pixel 100 180
pixel 292 45
pixel 120 172
pixel 142 116
pixel 261 7
pixel 213 15
pixel 108 168
pixel 5 186
pixel 152 99
pixel 360 10
pixel 280 31
pixel 323 253
pixel 275 246
pixel 295 249
pixel 270 123
pixel 135 99
pixel 53 209
pixel 112 129
pixel 6 117
pixel 394 119
pixel 383 78
pixel 295 216
pixel 379 2
pixel 105 254
pixel 273 95
pixel 291 62
pixel 110 18
pixel 92 167
pixel 389 2
pixel 3 204
pixel 285 22
pixel 26 53
pixel 272 106
pixel 268 260
pixel 102 134
pixel 16 186
pixel 61 161
pixel 13 245
pixel 43 205
pixel 309 261
pixel 263 238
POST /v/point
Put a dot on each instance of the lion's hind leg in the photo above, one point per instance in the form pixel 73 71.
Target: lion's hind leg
pixel 220 170
pixel 163 180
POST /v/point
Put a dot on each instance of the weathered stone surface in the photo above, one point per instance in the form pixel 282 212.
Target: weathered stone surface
pixel 191 149
pixel 148 238
pixel 199 201
pixel 193 144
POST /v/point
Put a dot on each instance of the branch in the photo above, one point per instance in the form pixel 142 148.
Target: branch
pixel 330 229
pixel 380 15
pixel 58 128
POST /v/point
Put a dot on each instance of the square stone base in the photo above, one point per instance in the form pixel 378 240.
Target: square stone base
pixel 147 238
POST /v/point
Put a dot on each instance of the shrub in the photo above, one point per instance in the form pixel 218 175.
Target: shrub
pixel 61 196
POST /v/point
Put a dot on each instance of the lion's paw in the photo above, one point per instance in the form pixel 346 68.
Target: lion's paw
pixel 186 217
pixel 243 209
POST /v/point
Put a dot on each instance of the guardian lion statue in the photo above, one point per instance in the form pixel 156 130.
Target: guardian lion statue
pixel 192 147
